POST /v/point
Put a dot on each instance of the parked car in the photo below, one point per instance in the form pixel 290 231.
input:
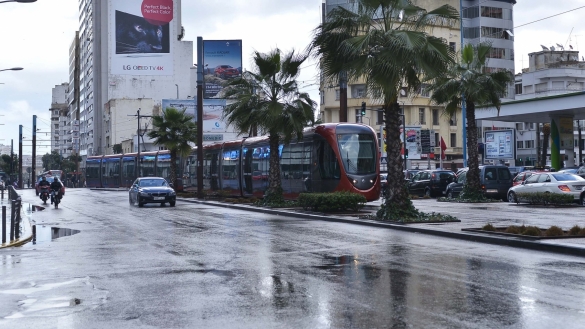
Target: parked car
pixel 521 177
pixel 570 170
pixel 495 181
pixel 430 182
pixel 409 173
pixel 151 190
pixel 550 182
pixel 581 172
pixel 226 71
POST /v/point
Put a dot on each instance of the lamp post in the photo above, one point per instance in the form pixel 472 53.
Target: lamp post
pixel 176 85
pixel 13 68
pixel 19 1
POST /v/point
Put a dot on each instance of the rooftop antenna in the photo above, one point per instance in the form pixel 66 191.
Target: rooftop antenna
pixel 544 47
pixel 552 48
pixel 561 47
pixel 569 39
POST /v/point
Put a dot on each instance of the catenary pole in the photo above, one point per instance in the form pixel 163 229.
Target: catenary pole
pixel 200 66
pixel 34 150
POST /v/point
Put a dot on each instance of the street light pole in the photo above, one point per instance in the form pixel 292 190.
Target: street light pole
pixel 13 68
pixel 19 1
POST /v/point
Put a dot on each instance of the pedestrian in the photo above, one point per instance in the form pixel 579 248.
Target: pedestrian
pixel 73 180
pixel 28 183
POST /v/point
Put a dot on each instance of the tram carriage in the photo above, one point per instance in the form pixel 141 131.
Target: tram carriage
pixel 330 157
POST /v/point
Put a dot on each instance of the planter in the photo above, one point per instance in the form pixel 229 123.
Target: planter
pixel 500 231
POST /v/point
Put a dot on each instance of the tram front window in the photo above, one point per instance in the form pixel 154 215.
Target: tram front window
pixel 358 153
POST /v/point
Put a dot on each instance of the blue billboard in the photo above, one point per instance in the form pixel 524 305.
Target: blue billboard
pixel 222 61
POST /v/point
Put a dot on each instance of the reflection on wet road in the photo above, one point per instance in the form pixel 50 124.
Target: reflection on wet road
pixel 196 266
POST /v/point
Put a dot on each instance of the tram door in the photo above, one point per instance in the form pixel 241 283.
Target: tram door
pixel 247 170
pixel 325 169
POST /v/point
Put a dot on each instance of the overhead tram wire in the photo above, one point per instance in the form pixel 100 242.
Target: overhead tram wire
pixel 542 19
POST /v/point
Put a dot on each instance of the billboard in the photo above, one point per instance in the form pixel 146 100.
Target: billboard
pixel 222 62
pixel 140 37
pixel 413 136
pixel 212 112
pixel 500 144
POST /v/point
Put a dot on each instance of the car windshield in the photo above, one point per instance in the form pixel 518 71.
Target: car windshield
pixel 152 182
pixel 566 177
pixel 358 153
pixel 49 179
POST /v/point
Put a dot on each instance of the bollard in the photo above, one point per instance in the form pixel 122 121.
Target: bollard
pixel 34 241
pixel 12 219
pixel 2 191
pixel 3 224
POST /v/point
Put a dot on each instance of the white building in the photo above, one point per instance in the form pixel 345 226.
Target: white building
pixel 60 126
pixel 115 77
pixel 550 73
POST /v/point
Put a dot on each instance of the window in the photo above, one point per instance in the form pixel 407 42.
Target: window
pixel 453 120
pixel 494 12
pixel 424 92
pixel 494 33
pixel 437 140
pixel 519 126
pixel 358 91
pixel 453 46
pixel 435 117
pixel 421 116
pixel 336 94
pixel 532 179
pixel 453 140
pixel 529 144
pixel 471 12
pixel 380 117
pixel 518 88
pixel 519 144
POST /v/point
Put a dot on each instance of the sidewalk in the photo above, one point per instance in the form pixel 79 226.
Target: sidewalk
pixel 471 215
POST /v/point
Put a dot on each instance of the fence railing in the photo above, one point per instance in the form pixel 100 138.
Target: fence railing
pixel 15 214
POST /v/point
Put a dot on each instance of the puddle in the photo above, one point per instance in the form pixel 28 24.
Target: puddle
pixel 43 233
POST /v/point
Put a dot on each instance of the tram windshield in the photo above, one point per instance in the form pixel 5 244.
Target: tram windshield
pixel 358 153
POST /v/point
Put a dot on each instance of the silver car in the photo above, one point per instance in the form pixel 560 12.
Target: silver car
pixel 550 182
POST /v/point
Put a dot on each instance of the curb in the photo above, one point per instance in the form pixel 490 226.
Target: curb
pixel 510 242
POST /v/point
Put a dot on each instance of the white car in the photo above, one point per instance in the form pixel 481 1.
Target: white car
pixel 549 182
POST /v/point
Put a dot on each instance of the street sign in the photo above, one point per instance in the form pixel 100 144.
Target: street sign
pixel 425 141
pixel 212 137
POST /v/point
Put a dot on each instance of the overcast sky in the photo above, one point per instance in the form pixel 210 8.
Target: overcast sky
pixel 37 37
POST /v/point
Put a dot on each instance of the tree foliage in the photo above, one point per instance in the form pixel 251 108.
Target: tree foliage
pixel 268 98
pixel 468 81
pixel 386 44
pixel 175 130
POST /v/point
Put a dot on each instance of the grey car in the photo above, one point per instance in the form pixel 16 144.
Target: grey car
pixel 151 190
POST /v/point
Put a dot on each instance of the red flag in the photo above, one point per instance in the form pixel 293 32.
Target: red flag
pixel 493 127
pixel 443 148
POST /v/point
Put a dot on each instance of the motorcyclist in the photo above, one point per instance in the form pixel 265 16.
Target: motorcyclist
pixel 55 188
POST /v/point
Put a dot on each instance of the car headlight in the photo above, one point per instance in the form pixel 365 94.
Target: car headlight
pixel 171 193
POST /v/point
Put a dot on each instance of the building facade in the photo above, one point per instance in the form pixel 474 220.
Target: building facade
pixel 60 126
pixel 110 74
pixel 418 110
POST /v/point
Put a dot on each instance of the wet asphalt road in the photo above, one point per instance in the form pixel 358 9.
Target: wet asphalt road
pixel 196 266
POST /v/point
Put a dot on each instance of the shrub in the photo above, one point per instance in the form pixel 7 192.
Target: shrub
pixel 531 231
pixel 331 202
pixel 489 227
pixel 513 229
pixel 575 230
pixel 545 198
pixel 554 231
pixel 582 232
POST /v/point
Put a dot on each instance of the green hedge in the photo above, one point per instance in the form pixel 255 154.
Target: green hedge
pixel 545 198
pixel 331 202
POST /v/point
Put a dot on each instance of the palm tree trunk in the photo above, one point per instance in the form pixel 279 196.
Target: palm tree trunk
pixel 397 204
pixel 173 176
pixel 473 182
pixel 274 192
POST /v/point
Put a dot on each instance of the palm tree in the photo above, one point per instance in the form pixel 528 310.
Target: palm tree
pixel 470 82
pixel 268 99
pixel 388 44
pixel 174 130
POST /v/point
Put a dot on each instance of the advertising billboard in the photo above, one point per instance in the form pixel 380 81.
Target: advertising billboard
pixel 222 62
pixel 413 144
pixel 212 112
pixel 500 145
pixel 140 37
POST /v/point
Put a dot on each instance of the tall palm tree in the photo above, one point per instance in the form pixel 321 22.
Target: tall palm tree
pixel 469 81
pixel 268 99
pixel 387 44
pixel 174 130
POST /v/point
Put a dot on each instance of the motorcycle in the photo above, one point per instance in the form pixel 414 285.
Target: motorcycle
pixel 56 194
pixel 44 195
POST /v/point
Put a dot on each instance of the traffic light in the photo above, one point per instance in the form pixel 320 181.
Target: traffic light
pixel 406 153
pixel 363 108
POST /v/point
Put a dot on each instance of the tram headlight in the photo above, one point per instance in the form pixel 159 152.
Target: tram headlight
pixel 354 182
